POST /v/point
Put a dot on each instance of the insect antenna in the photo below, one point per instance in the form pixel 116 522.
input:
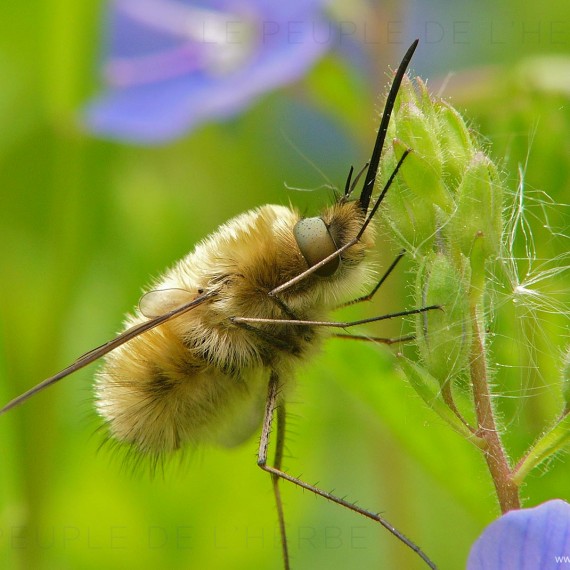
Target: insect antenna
pixel 351 184
pixel 348 244
pixel 348 186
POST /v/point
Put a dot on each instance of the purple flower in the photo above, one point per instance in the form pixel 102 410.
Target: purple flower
pixel 172 64
pixel 526 539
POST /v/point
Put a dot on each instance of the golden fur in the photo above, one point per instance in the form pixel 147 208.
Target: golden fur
pixel 200 376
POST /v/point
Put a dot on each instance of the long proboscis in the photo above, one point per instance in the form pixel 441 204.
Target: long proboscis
pixel 372 172
pixel 100 351
pixel 364 200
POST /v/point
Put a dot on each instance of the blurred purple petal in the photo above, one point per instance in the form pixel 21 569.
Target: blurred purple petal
pixel 526 539
pixel 172 64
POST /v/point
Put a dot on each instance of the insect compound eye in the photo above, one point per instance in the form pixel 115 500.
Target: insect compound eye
pixel 316 243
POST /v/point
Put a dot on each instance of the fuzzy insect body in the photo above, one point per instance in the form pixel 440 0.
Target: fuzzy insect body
pixel 212 347
pixel 202 377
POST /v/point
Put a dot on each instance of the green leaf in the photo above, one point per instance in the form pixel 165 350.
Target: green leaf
pixel 427 388
pixel 554 440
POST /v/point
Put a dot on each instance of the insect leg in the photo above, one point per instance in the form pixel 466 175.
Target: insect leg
pixel 283 305
pixel 280 442
pixel 378 339
pixel 335 324
pixel 270 407
pixel 378 285
pixel 277 473
pixel 263 335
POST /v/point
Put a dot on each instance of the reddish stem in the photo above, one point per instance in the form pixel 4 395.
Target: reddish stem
pixel 497 462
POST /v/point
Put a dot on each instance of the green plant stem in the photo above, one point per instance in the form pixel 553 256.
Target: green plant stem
pixel 497 462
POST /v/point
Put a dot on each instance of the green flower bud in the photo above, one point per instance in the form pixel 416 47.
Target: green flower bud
pixel 424 177
pixel 456 142
pixel 477 262
pixel 410 217
pixel 444 336
pixel 426 102
pixel 445 186
pixel 407 95
pixel 479 209
pixel 415 129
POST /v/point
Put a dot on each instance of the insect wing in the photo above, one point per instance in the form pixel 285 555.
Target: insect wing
pixel 100 351
pixel 160 301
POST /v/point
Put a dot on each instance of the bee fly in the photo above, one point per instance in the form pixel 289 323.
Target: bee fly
pixel 222 330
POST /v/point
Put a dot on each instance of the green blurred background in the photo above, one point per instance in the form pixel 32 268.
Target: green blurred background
pixel 86 223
